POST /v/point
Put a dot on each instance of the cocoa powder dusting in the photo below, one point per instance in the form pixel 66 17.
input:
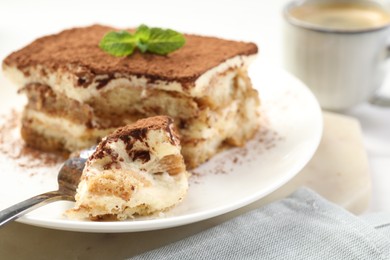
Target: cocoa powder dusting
pixel 77 52
pixel 13 148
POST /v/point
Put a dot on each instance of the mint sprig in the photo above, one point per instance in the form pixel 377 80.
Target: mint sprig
pixel 146 39
pixel 119 44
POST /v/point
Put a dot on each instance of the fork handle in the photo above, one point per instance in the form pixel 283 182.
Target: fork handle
pixel 21 208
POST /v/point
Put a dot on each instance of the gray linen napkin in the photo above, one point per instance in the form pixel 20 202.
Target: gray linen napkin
pixel 302 226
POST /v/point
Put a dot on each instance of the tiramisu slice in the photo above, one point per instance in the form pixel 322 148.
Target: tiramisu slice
pixel 137 170
pixel 77 93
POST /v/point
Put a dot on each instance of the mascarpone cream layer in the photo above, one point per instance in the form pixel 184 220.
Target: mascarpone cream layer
pixel 65 82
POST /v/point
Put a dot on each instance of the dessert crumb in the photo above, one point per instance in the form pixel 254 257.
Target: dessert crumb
pixel 12 146
pixel 265 139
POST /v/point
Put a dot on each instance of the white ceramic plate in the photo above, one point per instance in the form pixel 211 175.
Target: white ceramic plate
pixel 292 128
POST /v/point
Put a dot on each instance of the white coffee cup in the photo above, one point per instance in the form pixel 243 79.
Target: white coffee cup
pixel 338 48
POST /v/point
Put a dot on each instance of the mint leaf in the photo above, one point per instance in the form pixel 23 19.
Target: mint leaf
pixel 119 44
pixel 164 41
pixel 153 40
pixel 142 34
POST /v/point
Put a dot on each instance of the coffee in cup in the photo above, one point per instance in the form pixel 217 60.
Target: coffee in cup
pixel 341 16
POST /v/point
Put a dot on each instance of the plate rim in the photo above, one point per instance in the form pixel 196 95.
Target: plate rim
pixel 174 221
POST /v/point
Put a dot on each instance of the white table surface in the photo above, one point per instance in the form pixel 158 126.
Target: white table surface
pixel 251 20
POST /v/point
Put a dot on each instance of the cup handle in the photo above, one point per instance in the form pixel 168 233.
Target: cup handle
pixel 380 100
